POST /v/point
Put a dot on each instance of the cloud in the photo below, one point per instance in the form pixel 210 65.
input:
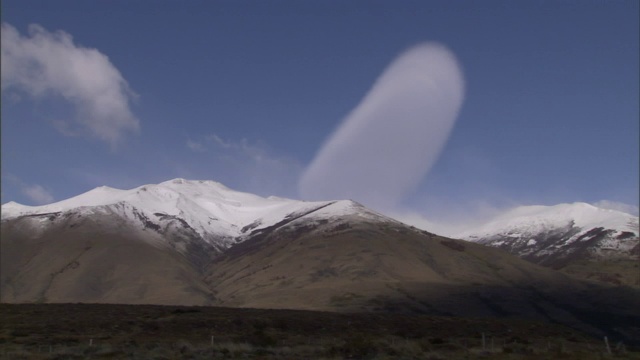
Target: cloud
pixel 613 205
pixel 255 152
pixel 249 165
pixel 420 221
pixel 222 143
pixel 49 63
pixel 455 220
pixel 195 146
pixel 388 143
pixel 452 219
pixel 37 194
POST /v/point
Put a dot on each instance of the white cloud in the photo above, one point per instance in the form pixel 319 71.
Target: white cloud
pixel 220 142
pixel 388 143
pixel 38 194
pixel 421 222
pixel 195 146
pixel 242 164
pixel 256 152
pixel 452 219
pixel 49 63
pixel 613 205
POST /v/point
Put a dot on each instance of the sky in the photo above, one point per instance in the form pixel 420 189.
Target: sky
pixel 431 111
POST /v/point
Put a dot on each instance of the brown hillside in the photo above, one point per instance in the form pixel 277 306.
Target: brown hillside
pixel 94 261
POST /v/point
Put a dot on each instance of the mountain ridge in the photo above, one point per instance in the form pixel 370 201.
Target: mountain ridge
pixel 219 215
pixel 186 242
pixel 579 238
pixel 582 214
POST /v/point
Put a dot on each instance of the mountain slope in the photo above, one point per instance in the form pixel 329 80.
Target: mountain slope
pixel 579 238
pixel 353 264
pixel 198 243
pixel 150 244
pixel 95 259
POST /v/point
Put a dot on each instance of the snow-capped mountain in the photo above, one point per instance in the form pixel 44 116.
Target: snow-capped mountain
pixel 158 239
pixel 560 235
pixel 211 212
pixel 201 243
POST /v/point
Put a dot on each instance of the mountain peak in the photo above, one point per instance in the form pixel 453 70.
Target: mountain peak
pixel 537 218
pixel 12 204
pixel 563 235
pixel 207 207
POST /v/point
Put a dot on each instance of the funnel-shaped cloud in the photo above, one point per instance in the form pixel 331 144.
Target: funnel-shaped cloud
pixel 389 142
pixel 45 63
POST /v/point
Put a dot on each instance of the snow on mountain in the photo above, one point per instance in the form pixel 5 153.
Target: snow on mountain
pixel 216 213
pixel 561 234
pixel 535 219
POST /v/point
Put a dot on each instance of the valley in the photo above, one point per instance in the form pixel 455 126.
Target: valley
pixel 80 331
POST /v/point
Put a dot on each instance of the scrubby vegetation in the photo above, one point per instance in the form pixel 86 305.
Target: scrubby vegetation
pixel 77 331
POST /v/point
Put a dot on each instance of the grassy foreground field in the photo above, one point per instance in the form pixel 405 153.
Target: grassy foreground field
pixel 81 331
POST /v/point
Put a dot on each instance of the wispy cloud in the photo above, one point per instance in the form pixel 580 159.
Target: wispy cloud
pixel 614 205
pixel 388 143
pixel 252 165
pixel 451 219
pixel 89 176
pixel 456 219
pixel 36 193
pixel 195 146
pixel 222 143
pixel 49 63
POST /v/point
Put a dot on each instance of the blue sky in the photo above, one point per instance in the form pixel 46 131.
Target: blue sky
pixel 248 92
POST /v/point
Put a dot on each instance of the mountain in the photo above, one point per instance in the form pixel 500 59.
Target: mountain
pixel 101 245
pixel 580 239
pixel 187 242
pixel 209 211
